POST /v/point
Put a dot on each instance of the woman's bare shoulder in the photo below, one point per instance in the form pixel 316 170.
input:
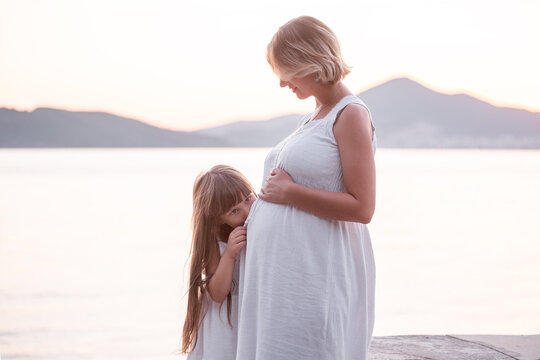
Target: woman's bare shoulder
pixel 353 118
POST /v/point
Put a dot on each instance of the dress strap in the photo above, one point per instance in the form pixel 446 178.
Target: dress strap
pixel 349 99
pixel 338 108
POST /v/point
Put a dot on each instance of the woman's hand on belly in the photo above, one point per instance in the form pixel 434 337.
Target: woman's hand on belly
pixel 279 188
pixel 276 186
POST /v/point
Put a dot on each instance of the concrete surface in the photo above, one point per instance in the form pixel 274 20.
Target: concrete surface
pixel 456 347
pixel 519 346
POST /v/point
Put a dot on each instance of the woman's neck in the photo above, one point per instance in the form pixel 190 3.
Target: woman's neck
pixel 328 95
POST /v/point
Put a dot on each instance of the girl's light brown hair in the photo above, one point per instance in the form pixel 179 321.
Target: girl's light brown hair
pixel 305 46
pixel 215 192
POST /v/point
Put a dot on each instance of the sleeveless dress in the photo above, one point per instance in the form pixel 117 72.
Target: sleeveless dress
pixel 307 284
pixel 216 338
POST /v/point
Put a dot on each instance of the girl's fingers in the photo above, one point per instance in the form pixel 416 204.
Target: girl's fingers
pixel 238 230
pixel 239 235
pixel 236 238
pixel 239 239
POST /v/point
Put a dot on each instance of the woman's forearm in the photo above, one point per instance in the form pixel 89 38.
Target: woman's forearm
pixel 329 205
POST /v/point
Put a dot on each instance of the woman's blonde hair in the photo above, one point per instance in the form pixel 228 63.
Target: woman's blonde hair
pixel 215 192
pixel 305 46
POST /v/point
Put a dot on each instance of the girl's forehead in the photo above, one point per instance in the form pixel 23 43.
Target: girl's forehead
pixel 237 200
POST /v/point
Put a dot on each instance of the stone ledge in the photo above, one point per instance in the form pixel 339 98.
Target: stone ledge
pixel 456 347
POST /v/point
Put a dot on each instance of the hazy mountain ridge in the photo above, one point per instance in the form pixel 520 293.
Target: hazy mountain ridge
pixel 420 117
pixel 46 127
pixel 254 133
pixel 405 113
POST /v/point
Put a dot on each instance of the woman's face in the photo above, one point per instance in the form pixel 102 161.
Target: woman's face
pixel 301 86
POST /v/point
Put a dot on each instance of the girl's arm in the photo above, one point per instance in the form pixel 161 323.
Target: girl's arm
pixel 221 268
pixel 353 133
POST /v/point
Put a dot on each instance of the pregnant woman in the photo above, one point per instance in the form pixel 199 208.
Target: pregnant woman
pixel 308 276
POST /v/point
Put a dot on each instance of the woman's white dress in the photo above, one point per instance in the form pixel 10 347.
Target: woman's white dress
pixel 307 284
pixel 216 337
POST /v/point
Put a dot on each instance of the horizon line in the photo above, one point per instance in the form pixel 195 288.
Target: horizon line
pixel 497 104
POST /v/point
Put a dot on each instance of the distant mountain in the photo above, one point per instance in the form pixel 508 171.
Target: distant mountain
pixel 255 133
pixel 59 128
pixel 406 115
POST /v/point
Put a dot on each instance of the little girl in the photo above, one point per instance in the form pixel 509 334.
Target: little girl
pixel 222 198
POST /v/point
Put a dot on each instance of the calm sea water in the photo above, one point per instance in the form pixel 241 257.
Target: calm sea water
pixel 93 246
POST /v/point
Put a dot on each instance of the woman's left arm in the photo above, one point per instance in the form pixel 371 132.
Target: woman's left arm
pixel 353 133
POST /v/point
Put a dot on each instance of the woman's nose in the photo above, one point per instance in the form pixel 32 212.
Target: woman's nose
pixel 282 83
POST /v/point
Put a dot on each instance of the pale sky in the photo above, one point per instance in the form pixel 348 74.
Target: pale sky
pixel 190 64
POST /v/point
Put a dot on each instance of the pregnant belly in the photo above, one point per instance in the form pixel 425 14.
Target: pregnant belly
pixel 291 239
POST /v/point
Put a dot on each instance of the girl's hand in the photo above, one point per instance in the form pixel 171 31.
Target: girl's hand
pixel 276 186
pixel 237 240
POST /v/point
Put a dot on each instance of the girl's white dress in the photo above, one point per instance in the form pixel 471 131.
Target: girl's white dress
pixel 216 338
pixel 307 284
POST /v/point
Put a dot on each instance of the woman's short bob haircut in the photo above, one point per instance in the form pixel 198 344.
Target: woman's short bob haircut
pixel 305 46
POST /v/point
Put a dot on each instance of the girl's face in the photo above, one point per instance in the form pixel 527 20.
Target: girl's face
pixel 237 215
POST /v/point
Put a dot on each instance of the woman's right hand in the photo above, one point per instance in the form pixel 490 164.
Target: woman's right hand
pixel 276 186
pixel 237 240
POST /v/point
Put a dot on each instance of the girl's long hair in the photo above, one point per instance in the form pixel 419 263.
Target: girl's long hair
pixel 215 192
